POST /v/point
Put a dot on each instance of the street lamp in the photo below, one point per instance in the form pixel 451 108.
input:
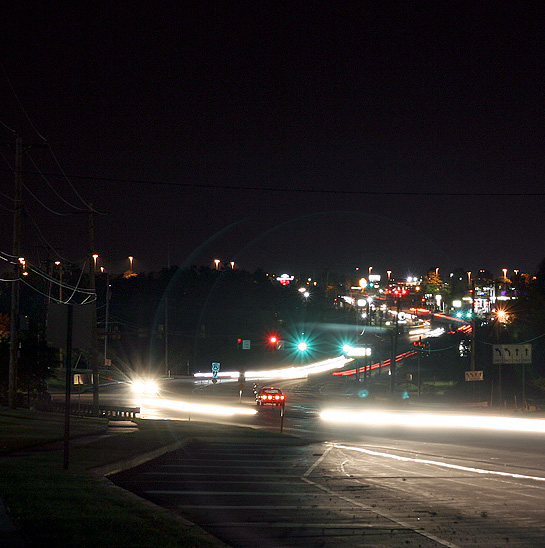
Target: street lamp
pixel 469 278
pixel 504 270
pixel 232 263
pixel 370 269
pixel 389 272
pixel 217 262
pixel 131 259
pixel 95 257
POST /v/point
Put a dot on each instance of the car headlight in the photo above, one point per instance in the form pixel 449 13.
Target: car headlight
pixel 145 387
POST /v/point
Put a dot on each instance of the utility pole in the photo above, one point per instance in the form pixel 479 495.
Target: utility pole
pixel 106 320
pixel 394 347
pixel 473 328
pixel 167 372
pixel 15 286
pixel 92 284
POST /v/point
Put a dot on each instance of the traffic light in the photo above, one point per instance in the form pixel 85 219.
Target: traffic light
pixel 239 343
pixel 274 342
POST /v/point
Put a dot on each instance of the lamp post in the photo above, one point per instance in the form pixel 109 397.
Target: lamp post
pixel 95 257
pixel 217 263
pixel 131 259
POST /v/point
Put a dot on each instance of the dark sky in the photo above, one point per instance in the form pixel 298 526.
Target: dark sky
pixel 286 135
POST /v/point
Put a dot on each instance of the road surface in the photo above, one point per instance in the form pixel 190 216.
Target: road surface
pixel 352 484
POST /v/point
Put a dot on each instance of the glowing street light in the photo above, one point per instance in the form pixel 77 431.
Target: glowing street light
pixel 504 270
pixel 370 269
pixel 22 261
pixel 131 259
pixel 389 272
pixel 502 316
pixel 302 346
pixel 232 263
pixel 95 257
pixel 217 263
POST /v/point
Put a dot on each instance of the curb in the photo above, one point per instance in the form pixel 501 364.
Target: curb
pixel 110 469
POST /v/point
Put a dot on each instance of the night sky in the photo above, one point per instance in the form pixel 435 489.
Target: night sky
pixel 282 135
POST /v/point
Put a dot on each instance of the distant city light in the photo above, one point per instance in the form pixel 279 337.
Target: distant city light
pixel 285 279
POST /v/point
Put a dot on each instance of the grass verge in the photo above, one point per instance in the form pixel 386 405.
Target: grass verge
pixel 77 508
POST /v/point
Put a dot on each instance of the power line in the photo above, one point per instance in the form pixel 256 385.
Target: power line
pixel 51 186
pixel 292 190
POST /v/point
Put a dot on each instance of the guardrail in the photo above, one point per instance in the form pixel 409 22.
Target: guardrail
pixel 110 411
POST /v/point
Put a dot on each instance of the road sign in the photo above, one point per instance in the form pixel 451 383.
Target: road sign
pixel 246 343
pixel 474 376
pixel 512 353
pixel 522 353
pixel 215 369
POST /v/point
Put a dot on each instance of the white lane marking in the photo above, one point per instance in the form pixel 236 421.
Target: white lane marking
pixel 404 524
pixel 309 471
pixel 342 468
pixel 305 524
pixel 438 463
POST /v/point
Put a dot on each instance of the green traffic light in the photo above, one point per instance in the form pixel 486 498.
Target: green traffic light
pixel 302 346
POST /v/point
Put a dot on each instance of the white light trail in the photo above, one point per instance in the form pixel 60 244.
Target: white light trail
pixel 197 408
pixel 423 420
pixel 294 372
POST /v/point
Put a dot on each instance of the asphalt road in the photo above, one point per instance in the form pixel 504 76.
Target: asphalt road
pixel 353 485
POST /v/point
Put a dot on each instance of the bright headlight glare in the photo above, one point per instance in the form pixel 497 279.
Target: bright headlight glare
pixel 145 387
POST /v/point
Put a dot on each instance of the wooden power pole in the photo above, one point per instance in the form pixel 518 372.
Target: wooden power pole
pixel 92 283
pixel 15 286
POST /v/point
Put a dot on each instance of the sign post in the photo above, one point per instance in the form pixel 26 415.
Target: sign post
pixel 215 371
pixel 515 354
pixel 241 381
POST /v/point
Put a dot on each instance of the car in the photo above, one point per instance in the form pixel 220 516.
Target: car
pixel 270 396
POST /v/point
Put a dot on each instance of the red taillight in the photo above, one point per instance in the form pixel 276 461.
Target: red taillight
pixel 281 397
